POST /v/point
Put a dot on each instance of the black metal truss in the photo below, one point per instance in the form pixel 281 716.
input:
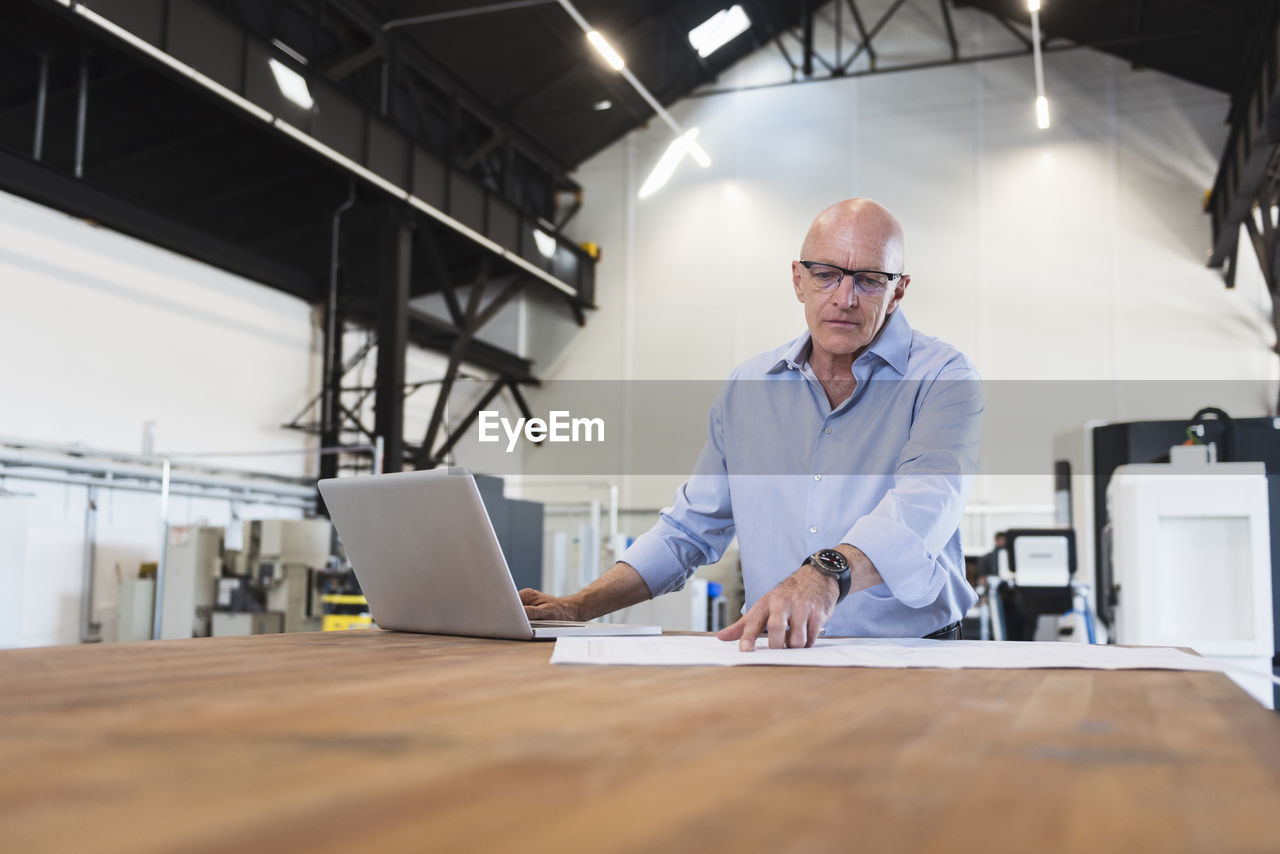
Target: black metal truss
pixel 1264 235
pixel 392 76
pixel 140 156
pixel 810 64
pixel 362 261
pixel 394 324
pixel 473 319
pixel 1246 178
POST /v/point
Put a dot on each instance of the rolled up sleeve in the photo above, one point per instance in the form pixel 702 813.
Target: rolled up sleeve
pixel 907 530
pixel 697 528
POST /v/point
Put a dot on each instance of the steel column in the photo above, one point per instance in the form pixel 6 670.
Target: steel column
pixel 90 631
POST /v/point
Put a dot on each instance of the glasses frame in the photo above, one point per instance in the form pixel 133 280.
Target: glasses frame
pixel 892 277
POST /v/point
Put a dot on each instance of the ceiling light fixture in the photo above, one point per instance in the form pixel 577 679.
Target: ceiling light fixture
pixel 292 84
pixel 606 50
pixel 546 243
pixel 1042 103
pixel 690 144
pixel 670 159
pixel 600 106
pixel 720 29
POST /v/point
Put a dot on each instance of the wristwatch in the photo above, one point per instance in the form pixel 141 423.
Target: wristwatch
pixel 830 562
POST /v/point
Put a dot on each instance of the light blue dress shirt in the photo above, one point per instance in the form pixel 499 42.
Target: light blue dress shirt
pixel 888 471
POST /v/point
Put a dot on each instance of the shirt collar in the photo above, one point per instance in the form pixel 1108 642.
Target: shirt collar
pixel 892 345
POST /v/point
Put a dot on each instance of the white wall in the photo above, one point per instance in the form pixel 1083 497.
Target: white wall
pixel 1075 253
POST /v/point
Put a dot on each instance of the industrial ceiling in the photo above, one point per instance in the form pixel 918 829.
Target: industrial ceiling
pixel 443 134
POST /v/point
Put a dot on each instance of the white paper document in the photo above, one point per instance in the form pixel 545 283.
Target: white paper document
pixel 874 652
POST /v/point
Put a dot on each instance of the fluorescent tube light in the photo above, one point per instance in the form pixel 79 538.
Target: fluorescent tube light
pixel 718 30
pixel 667 164
pixel 1033 5
pixel 546 243
pixel 606 50
pixel 292 84
pixel 697 152
pixel 1042 112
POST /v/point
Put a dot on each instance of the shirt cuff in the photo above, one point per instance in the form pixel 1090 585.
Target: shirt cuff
pixel 653 556
pixel 900 556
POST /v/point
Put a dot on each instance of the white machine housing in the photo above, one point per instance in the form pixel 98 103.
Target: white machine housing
pixel 1191 556
pixel 193 562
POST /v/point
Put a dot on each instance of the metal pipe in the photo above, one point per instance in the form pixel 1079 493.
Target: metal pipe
pixel 293 452
pixel 150 473
pixel 379 452
pixel 82 110
pixel 152 461
pixel 90 631
pixel 42 102
pixel 332 375
pixel 68 479
pixel 164 550
pixel 462 13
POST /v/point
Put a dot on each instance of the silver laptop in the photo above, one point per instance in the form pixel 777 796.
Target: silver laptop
pixel 427 559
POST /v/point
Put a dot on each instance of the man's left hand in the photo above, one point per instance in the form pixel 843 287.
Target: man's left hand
pixel 794 612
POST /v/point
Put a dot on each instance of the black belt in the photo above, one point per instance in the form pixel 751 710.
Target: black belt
pixel 951 632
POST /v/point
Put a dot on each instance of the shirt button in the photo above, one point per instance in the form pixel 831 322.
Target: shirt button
pixel 827 431
pixel 813 530
pixel 817 477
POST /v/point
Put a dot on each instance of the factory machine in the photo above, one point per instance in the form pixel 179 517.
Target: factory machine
pixel 277 578
pixel 1175 523
pixel 284 579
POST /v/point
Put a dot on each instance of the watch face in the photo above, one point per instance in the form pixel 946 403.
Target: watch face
pixel 833 560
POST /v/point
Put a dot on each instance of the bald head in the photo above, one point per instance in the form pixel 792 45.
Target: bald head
pixel 863 229
pixel 844 318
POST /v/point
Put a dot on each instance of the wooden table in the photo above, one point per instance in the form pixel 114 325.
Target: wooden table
pixel 385 742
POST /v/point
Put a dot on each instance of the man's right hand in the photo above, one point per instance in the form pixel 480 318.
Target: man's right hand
pixel 620 587
pixel 540 606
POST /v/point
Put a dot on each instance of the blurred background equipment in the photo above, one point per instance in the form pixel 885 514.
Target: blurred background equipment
pixel 1189 560
pixel 1087 459
pixel 193 565
pixel 519 526
pixel 1030 589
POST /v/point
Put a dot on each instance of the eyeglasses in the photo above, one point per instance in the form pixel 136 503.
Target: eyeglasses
pixel 868 283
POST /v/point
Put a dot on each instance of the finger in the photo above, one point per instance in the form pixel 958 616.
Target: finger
pixel 797 634
pixel 733 632
pixel 778 630
pixel 541 612
pixel 753 624
pixel 529 596
pixel 815 627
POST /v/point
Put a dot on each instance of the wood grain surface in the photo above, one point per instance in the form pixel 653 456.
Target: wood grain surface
pixel 386 742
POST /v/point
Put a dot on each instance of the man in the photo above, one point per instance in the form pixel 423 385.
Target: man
pixel 840 460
